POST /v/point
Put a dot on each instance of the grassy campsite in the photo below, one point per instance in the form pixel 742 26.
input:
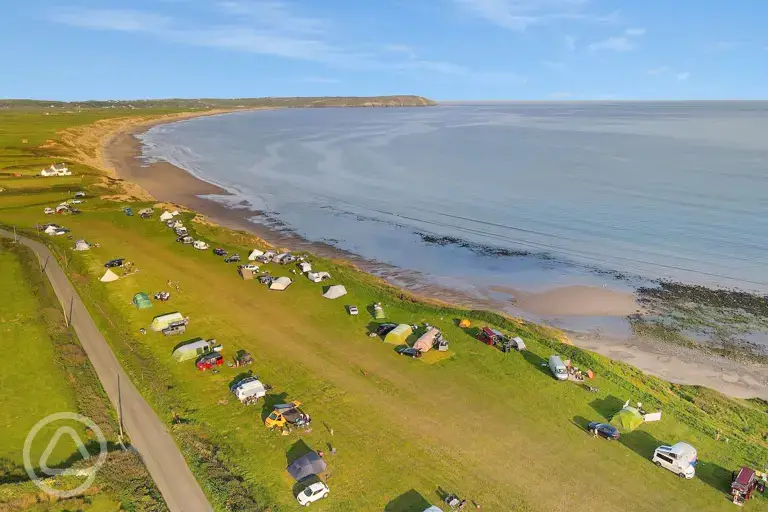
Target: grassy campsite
pixel 398 433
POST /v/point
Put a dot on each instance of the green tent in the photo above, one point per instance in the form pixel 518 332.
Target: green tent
pixel 627 419
pixel 141 301
pixel 398 335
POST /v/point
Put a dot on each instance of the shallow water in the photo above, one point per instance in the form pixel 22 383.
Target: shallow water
pixel 577 193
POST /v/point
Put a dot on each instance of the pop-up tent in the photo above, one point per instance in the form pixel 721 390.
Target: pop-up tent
pixel 192 349
pixel 280 284
pixel 465 323
pixel 335 291
pixel 399 334
pixel 255 254
pixel 109 276
pixel 308 465
pixel 425 342
pixel 141 301
pixel 305 267
pixel 627 419
pixel 316 277
pixel 82 245
pixel 166 216
pixel 161 322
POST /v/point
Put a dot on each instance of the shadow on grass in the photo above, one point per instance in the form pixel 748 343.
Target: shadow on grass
pixel 715 476
pixel 11 474
pixel 640 442
pixel 581 422
pixel 607 406
pixel 296 451
pixel 410 501
pixel 239 377
pixel 270 401
pixel 537 362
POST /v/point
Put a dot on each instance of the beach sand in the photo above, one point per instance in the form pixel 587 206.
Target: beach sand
pixel 166 183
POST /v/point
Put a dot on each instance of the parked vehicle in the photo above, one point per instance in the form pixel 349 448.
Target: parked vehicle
pixel 243 358
pixel 680 458
pixel 383 329
pixel 209 361
pixel 232 259
pixel 117 262
pixel 49 211
pixel 219 251
pixel 128 211
pixel 744 485
pixel 182 231
pixel 409 351
pixel 75 211
pixel 75 201
pixel 312 493
pixel 604 430
pixel 287 414
pixel 200 245
pixel 185 239
pixel 249 390
pixel 352 310
pixel 174 329
pixel 490 336
pixel 79 194
pixel 557 367
pixel 251 267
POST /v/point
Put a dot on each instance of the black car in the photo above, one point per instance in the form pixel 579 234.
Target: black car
pixel 409 351
pixel 383 329
pixel 117 262
pixel 604 430
pixel 219 251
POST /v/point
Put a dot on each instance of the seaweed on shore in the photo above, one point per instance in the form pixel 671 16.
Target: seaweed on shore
pixel 481 249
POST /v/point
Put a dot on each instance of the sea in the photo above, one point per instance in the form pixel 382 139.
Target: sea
pixel 482 197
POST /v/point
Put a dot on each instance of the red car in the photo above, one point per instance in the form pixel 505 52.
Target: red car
pixel 209 361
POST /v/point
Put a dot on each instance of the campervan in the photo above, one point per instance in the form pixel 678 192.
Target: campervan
pixel 249 390
pixel 557 367
pixel 680 458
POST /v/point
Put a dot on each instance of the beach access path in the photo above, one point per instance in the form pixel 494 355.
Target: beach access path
pixel 147 432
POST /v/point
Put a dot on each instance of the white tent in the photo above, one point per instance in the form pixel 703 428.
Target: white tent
pixel 199 244
pixel 50 230
pixel 175 213
pixel 82 245
pixel 305 267
pixel 316 277
pixel 255 254
pixel 166 216
pixel 281 283
pixel 109 276
pixel 335 291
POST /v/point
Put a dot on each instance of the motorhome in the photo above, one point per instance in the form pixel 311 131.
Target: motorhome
pixel 557 367
pixel 680 458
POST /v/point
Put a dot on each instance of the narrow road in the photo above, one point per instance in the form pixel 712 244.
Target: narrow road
pixel 148 434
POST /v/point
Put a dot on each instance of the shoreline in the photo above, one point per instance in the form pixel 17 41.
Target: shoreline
pixel 163 182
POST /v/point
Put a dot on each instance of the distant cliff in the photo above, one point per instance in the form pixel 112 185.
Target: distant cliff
pixel 234 103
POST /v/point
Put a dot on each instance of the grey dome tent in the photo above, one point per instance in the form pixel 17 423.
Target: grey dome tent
pixel 308 465
pixel 335 291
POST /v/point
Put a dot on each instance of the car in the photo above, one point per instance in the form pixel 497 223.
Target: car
pixel 219 251
pixel 409 351
pixel 75 201
pixel 128 211
pixel 604 430
pixel 79 194
pixel 383 329
pixel 251 267
pixel 352 310
pixel 174 329
pixel 232 259
pixel 75 211
pixel 117 262
pixel 312 493
pixel 208 361
pixel 49 211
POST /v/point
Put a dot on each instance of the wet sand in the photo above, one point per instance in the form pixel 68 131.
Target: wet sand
pixel 167 183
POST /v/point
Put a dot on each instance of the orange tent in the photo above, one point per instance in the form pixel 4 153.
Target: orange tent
pixel 464 323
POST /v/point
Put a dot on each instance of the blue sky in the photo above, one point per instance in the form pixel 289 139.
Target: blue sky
pixel 442 49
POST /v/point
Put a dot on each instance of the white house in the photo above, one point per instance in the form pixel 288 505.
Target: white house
pixel 56 170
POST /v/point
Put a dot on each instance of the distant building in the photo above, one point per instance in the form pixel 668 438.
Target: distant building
pixel 56 170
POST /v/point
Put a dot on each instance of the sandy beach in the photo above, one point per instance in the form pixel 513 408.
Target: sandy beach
pixel 114 148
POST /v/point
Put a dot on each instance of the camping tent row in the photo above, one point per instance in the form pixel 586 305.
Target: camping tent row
pixel 335 291
pixel 161 322
pixel 141 301
pixel 281 283
pixel 399 334
pixel 166 215
pixel 194 348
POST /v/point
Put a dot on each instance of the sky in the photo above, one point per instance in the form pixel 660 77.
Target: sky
pixel 441 49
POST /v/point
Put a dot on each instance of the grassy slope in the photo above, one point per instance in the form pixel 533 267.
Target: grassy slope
pixel 491 426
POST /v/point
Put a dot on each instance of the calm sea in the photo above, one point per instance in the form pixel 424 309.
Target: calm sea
pixel 529 196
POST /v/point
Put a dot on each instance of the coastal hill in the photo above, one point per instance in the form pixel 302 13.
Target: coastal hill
pixel 234 103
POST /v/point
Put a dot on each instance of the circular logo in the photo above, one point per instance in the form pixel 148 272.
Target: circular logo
pixel 89 473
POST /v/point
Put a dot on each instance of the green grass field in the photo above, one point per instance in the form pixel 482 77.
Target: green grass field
pixel 495 428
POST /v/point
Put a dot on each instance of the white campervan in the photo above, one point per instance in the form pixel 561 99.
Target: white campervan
pixel 680 458
pixel 249 390
pixel 557 367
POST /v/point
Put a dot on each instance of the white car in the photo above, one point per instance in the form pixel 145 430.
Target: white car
pixel 49 211
pixel 312 493
pixel 352 310
pixel 251 267
pixel 76 201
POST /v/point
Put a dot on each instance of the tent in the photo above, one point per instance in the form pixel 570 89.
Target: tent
pixel 82 245
pixel 378 312
pixel 308 465
pixel 425 342
pixel 335 291
pixel 192 349
pixel 280 284
pixel 146 211
pixel 161 322
pixel 141 301
pixel 255 254
pixel 627 419
pixel 464 323
pixel 305 267
pixel 165 216
pixel 200 245
pixel 109 276
pixel 245 273
pixel 51 229
pixel 316 277
pixel 399 334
